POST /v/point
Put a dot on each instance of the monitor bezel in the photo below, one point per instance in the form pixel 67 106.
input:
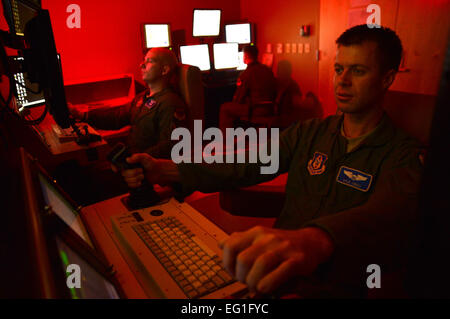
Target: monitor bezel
pixel 193 21
pixel 144 38
pixel 252 40
pixel 209 55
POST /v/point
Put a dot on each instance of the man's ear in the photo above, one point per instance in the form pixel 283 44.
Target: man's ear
pixel 388 78
pixel 165 70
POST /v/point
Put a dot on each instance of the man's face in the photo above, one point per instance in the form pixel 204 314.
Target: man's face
pixel 358 81
pixel 151 68
pixel 247 58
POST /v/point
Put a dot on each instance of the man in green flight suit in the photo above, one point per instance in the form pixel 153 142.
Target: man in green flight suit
pixel 351 192
pixel 153 114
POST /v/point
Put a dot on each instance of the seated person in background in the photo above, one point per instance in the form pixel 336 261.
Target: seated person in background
pixel 286 84
pixel 153 114
pixel 351 196
pixel 255 85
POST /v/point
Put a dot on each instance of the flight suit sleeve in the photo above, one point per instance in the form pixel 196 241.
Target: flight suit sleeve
pixel 215 177
pixel 383 230
pixel 111 118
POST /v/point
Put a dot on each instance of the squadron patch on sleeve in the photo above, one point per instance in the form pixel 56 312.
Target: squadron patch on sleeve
pixel 316 165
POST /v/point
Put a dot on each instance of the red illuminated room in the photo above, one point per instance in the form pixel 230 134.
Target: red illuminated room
pixel 231 150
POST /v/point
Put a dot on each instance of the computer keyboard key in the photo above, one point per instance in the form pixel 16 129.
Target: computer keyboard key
pixel 217 280
pixel 224 275
pixel 189 261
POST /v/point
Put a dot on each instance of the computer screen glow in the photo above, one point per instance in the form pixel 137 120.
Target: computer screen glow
pixel 206 23
pixel 156 35
pixel 93 284
pixel 197 55
pixel 241 64
pixel 239 33
pixel 225 55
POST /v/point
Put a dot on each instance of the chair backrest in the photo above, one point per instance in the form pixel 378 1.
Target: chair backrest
pixel 411 112
pixel 190 86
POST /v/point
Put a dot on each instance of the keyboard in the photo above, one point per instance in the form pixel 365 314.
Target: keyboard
pixel 195 268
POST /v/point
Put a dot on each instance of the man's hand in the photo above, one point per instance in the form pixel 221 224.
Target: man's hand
pixel 79 112
pixel 155 171
pixel 266 258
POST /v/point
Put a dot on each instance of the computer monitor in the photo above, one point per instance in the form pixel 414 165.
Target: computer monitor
pixel 18 12
pixel 28 21
pixel 206 22
pixel 27 94
pixel 239 33
pixel 44 66
pixel 94 284
pixel 156 35
pixel 241 64
pixel 61 205
pixel 51 245
pixel 196 55
pixel 226 56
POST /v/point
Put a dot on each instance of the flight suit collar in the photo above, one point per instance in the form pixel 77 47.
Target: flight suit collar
pixel 156 95
pixel 382 134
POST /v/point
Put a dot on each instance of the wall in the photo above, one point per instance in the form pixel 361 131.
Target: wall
pixel 109 40
pixel 421 25
pixel 279 22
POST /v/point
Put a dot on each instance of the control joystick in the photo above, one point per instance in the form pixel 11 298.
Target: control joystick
pixel 140 197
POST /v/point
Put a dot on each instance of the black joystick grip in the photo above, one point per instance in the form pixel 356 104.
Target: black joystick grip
pixel 140 197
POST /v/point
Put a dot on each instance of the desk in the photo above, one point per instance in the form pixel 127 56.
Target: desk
pixel 41 142
pixel 98 219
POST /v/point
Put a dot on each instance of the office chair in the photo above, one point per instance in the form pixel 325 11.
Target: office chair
pixel 189 85
pixel 278 113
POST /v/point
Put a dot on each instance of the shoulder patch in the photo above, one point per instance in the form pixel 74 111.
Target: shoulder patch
pixel 316 165
pixel 354 178
pixel 150 103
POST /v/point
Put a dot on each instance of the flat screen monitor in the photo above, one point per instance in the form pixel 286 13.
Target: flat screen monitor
pixel 197 55
pixel 93 284
pixel 27 94
pixel 241 64
pixel 44 66
pixel 157 35
pixel 206 23
pixel 225 56
pixel 19 12
pixel 62 207
pixel 239 33
pixel 52 246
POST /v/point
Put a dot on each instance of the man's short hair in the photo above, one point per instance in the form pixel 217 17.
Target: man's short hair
pixel 388 43
pixel 166 57
pixel 252 51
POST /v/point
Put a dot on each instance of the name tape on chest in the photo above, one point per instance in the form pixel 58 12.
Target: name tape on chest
pixel 354 178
